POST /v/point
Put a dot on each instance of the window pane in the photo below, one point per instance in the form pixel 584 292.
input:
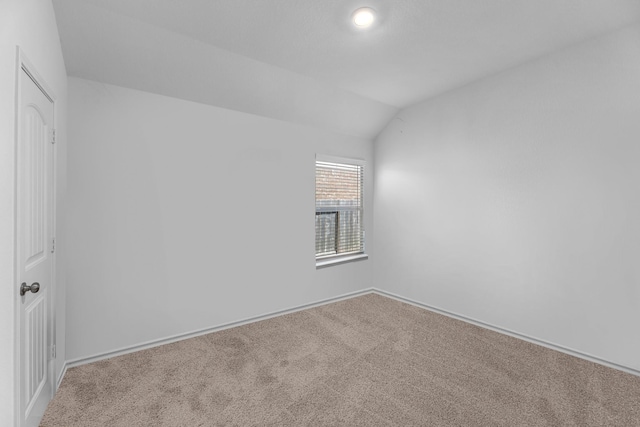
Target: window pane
pixel 326 233
pixel 349 228
pixel 339 227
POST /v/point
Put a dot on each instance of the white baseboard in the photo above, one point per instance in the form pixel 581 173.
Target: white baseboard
pixel 514 334
pixel 61 376
pixel 179 337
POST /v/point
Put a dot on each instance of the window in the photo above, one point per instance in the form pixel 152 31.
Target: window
pixel 339 210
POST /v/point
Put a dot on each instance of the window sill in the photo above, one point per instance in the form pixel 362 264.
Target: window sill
pixel 340 260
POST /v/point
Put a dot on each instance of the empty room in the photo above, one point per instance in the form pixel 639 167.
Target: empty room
pixel 305 213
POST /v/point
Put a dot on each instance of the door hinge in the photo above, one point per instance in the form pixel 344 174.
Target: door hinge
pixel 53 245
pixel 52 352
pixel 53 136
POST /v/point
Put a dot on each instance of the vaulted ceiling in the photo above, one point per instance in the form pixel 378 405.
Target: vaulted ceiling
pixel 302 60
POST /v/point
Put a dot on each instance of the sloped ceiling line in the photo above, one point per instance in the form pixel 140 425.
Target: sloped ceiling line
pixel 301 61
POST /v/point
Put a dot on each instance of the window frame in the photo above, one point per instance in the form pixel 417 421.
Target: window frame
pixel 341 258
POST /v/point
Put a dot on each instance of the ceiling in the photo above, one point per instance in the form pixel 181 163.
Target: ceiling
pixel 302 60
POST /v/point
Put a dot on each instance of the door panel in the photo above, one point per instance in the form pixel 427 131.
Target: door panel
pixel 35 349
pixel 35 225
pixel 35 132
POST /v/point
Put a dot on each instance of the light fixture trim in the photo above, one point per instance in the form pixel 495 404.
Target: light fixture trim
pixel 364 17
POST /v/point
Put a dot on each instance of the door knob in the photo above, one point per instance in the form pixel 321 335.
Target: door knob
pixel 24 288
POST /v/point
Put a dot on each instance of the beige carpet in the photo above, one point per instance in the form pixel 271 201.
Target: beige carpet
pixel 366 361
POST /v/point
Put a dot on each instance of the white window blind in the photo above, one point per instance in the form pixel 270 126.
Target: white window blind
pixel 339 209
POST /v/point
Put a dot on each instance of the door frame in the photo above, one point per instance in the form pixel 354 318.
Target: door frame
pixel 23 63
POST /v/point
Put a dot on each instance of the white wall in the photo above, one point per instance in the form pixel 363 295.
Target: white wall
pixel 516 200
pixel 31 25
pixel 185 216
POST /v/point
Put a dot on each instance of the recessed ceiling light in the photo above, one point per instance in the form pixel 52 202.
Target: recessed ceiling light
pixel 364 17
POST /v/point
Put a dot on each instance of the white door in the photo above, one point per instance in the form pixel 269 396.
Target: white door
pixel 34 248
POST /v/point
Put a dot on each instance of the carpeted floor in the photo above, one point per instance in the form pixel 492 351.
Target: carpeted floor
pixel 366 361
